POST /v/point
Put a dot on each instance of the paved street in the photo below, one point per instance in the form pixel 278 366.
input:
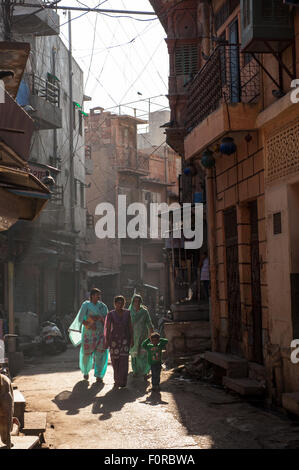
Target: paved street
pixel 185 415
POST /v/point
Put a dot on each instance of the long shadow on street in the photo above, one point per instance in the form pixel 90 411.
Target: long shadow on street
pixel 80 397
pixel 115 399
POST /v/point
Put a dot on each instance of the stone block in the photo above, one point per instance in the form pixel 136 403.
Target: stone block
pixel 247 167
pixel 290 401
pixel 258 162
pixel 230 197
pixel 254 186
pixel 235 366
pixel 243 190
pixel 243 386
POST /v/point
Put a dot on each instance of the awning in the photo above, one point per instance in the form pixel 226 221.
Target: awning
pixel 154 266
pixel 151 287
pixel 47 251
pixel 22 196
pixel 102 273
pixel 59 242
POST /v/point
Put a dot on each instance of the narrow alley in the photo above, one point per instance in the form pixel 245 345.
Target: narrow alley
pixel 185 415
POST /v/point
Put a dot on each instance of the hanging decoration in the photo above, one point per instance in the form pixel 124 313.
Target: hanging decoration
pixel 228 146
pixel 207 159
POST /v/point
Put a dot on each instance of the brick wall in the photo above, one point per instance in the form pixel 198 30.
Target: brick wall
pixel 240 180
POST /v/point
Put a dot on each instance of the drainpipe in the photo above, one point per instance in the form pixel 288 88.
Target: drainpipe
pixel 214 314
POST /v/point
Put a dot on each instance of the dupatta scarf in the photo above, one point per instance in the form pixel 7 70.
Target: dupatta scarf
pixel 141 323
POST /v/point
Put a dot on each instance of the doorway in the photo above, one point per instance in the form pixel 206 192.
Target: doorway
pixel 233 282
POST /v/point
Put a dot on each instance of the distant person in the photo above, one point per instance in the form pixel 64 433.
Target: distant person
pixel 205 274
pixel 154 346
pixel 119 339
pixel 142 328
pixel 88 330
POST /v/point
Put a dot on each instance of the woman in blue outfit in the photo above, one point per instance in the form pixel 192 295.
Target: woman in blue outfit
pixel 88 330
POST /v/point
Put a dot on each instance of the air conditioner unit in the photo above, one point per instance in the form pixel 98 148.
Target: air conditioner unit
pixel 267 26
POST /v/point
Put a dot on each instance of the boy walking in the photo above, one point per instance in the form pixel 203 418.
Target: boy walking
pixel 154 347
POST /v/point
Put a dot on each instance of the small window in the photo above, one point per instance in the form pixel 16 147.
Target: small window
pixel 277 223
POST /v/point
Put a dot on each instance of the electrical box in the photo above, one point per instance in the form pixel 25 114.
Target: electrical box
pixel 267 26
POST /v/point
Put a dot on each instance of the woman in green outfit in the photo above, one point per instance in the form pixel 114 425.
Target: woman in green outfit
pixel 143 328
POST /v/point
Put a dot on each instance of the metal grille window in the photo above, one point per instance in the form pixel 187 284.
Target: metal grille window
pixel 45 89
pixel 186 59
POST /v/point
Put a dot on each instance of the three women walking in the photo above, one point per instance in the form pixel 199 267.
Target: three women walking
pixel 121 331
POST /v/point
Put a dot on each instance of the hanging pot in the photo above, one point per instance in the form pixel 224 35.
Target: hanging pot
pixel 207 159
pixel 228 146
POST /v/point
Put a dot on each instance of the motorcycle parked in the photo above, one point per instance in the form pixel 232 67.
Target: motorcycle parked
pixel 52 340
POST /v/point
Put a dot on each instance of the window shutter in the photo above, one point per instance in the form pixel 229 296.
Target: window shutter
pixel 186 61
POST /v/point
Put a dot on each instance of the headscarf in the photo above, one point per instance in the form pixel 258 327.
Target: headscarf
pixel 142 306
pixel 141 322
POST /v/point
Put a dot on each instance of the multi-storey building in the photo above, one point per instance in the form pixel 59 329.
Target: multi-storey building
pixel 146 176
pixel 23 196
pixel 232 66
pixel 50 254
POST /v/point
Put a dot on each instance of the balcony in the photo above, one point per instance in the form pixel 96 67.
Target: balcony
pixel 89 166
pixel 223 97
pixel 38 21
pixel 41 97
pixel 133 163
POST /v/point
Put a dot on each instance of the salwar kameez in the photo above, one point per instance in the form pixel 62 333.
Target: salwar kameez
pixel 91 337
pixel 142 327
pixel 118 337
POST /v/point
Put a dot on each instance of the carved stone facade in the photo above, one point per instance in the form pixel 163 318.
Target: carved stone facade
pixel 282 152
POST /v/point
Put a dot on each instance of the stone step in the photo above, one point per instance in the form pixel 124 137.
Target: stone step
pixel 25 442
pixel 243 386
pixel 19 404
pixel 236 367
pixel 256 371
pixel 34 424
pixel 290 401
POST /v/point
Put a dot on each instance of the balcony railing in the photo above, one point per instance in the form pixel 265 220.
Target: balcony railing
pixel 45 89
pixel 227 77
pixel 129 162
